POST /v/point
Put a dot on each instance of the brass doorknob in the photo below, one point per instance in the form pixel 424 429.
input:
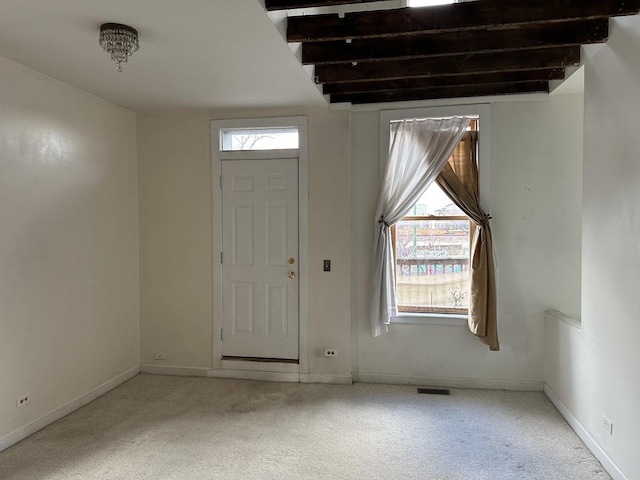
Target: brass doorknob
pixel 292 275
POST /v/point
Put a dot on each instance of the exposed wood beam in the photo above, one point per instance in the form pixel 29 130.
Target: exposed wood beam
pixel 451 81
pixel 540 59
pixel 477 41
pixel 290 4
pixel 442 92
pixel 476 15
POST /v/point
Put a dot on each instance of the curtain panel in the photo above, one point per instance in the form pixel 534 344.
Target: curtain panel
pixel 418 151
pixel 459 180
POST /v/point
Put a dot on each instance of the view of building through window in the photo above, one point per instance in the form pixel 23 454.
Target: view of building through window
pixel 432 248
pixel 432 256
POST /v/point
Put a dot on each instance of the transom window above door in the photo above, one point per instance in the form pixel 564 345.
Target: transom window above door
pixel 251 139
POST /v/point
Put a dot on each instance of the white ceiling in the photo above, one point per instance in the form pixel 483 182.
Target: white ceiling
pixel 194 54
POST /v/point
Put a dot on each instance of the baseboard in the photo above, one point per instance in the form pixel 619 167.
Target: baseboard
pixel 32 427
pixel 174 370
pixel 330 379
pixel 474 383
pixel 585 436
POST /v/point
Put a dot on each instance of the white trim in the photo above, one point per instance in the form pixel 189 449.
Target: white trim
pixel 431 319
pixel 216 196
pixel 330 379
pixel 174 370
pixel 598 452
pixel 303 220
pixel 32 427
pixel 558 316
pixel 260 366
pixel 258 154
pixel 474 383
pixel 255 375
pixel 258 122
pixel 303 244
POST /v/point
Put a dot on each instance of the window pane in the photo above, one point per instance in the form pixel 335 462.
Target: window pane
pixel 434 202
pixel 259 139
pixel 432 265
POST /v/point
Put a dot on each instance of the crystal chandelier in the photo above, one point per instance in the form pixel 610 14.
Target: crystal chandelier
pixel 120 41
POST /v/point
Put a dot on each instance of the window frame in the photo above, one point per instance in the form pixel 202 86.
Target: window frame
pixel 483 113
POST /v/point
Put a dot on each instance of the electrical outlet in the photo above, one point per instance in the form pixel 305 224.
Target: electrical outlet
pixel 160 356
pixel 607 424
pixel 330 352
pixel 22 400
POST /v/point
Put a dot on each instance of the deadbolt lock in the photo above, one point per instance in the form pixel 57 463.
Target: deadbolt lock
pixel 292 261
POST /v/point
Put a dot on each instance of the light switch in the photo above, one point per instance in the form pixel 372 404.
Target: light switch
pixel 326 265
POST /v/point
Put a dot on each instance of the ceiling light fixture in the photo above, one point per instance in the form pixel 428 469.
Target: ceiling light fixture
pixel 120 41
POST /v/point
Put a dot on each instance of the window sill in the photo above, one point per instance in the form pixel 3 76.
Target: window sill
pixel 431 319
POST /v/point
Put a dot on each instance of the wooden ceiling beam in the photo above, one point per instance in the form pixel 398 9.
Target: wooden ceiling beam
pixel 540 59
pixel 442 92
pixel 476 15
pixel 290 4
pixel 477 41
pixel 451 81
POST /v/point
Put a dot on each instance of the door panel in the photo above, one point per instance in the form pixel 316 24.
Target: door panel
pixel 277 235
pixel 243 220
pixel 242 308
pixel 277 309
pixel 260 234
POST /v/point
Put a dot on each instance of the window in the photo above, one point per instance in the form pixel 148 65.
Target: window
pixel 432 247
pixel 280 138
pixel 427 313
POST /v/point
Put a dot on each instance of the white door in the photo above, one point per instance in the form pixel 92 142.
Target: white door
pixel 260 258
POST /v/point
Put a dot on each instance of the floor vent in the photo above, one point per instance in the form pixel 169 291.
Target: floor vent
pixel 434 391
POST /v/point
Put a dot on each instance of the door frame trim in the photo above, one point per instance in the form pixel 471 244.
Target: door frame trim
pixel 303 221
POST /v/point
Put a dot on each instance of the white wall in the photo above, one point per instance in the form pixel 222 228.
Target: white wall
pixel 535 201
pixel 176 236
pixel 69 244
pixel 595 372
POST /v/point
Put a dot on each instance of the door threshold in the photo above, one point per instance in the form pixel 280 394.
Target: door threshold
pixel 261 360
pixel 260 364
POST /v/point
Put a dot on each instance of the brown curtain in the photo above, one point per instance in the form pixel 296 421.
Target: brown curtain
pixel 459 179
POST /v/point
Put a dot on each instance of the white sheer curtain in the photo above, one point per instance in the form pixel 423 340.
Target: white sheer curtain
pixel 417 152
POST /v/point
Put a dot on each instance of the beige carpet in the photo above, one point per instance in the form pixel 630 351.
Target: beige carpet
pixel 156 427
